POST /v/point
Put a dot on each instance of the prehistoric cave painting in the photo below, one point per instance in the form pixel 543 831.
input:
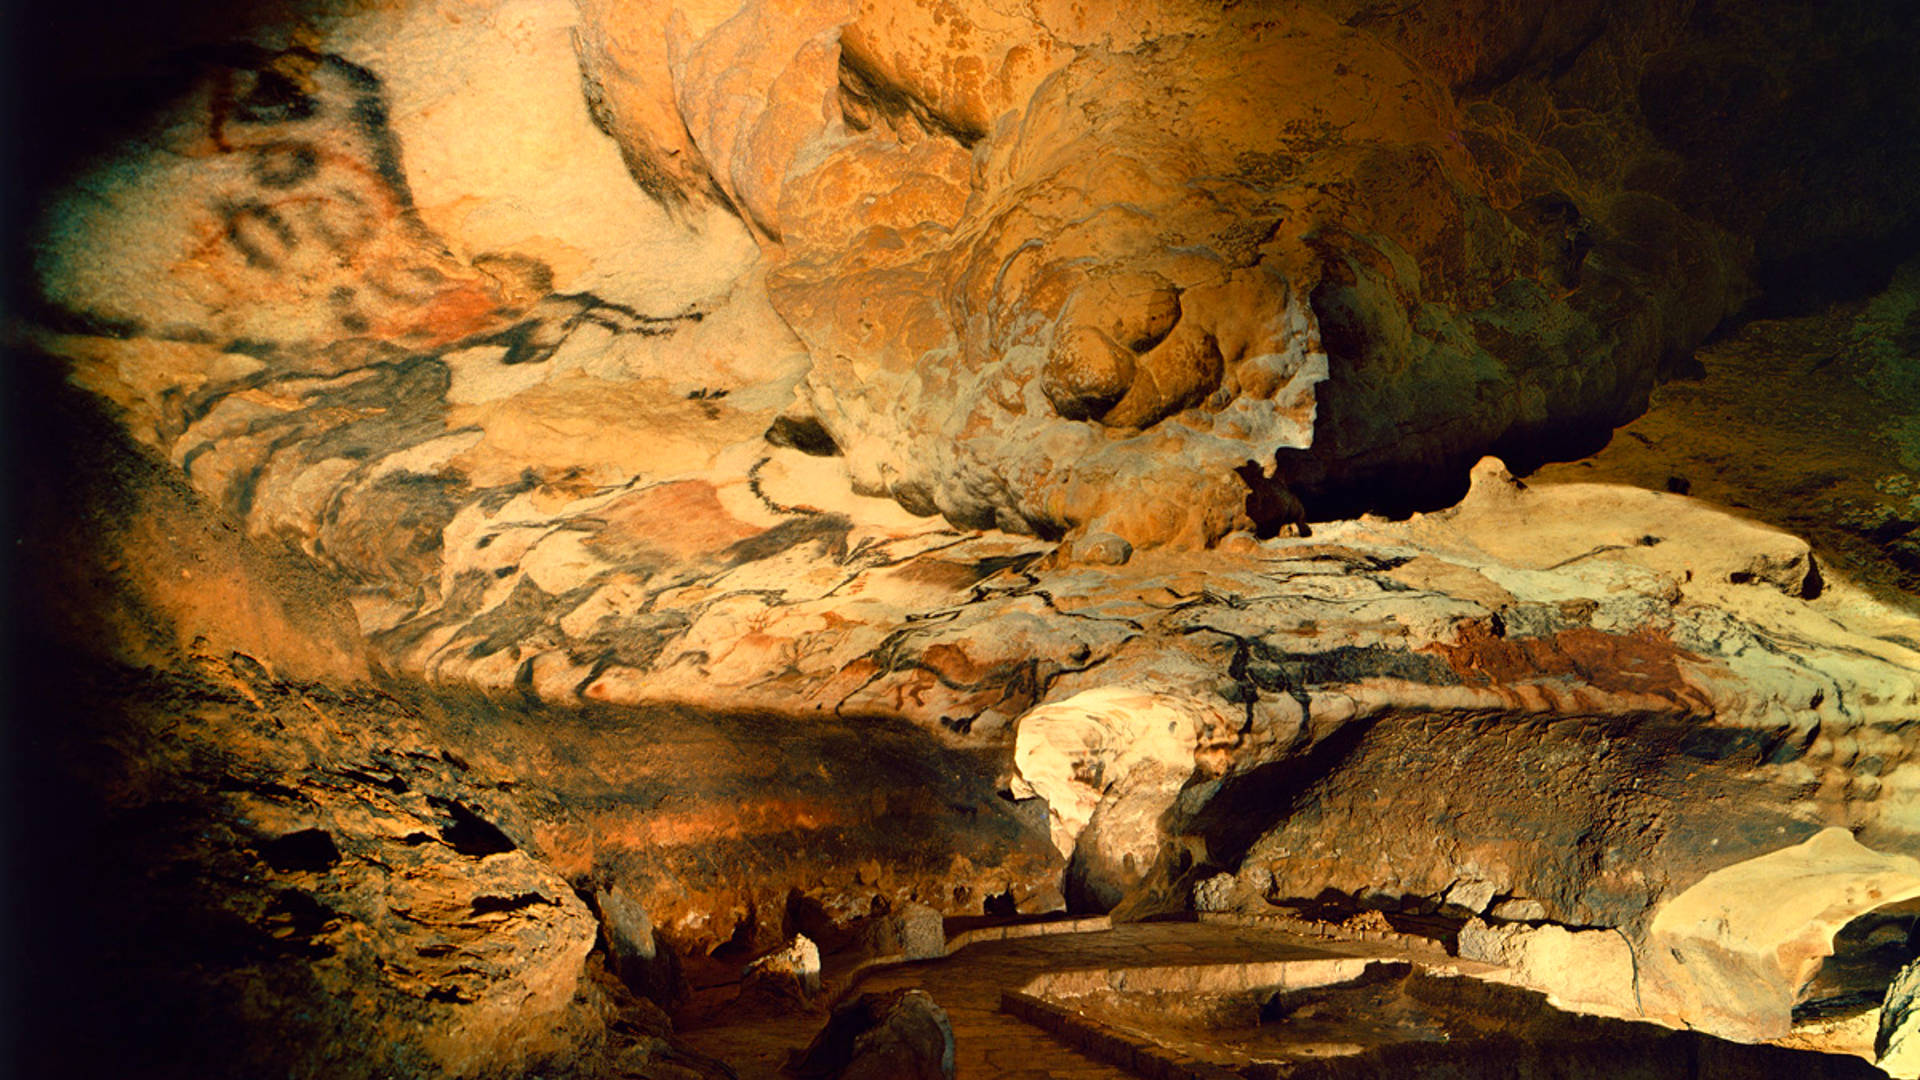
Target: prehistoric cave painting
pixel 270 209
pixel 445 467
pixel 312 354
pixel 294 230
pixel 307 126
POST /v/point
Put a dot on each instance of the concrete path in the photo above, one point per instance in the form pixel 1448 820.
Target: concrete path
pixel 992 1045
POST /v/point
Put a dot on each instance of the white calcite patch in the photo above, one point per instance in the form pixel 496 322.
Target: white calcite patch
pixel 1073 753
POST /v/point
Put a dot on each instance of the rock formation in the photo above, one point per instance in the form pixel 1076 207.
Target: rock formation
pixel 1893 1041
pixel 528 510
pixel 901 1036
pixel 1836 445
pixel 1068 254
pixel 1728 953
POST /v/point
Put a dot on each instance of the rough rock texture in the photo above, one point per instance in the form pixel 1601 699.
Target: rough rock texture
pixel 1735 954
pixel 443 623
pixel 1031 249
pixel 1731 952
pixel 922 931
pixel 1585 971
pixel 1614 790
pixel 361 879
pixel 635 951
pixel 1894 1044
pixel 1222 892
pixel 282 870
pixel 903 1035
pixel 1660 670
pixel 1109 762
pixel 791 974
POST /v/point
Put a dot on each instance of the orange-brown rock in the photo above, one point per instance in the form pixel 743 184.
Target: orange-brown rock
pixel 762 488
pixel 1030 252
pixel 283 860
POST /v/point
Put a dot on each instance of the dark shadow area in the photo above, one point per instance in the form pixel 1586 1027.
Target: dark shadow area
pixel 1250 803
pixel 1797 124
pixel 1867 953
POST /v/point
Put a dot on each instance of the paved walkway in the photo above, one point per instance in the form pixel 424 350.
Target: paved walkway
pixel 991 1045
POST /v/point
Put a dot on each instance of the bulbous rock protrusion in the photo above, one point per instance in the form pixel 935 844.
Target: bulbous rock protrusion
pixel 1107 325
pixel 1087 373
pixel 1141 308
pixel 1178 374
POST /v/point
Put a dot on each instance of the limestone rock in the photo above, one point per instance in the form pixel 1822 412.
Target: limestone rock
pixel 1109 762
pixel 1896 1045
pixel 1045 901
pixel 634 949
pixel 1516 909
pixel 454 403
pixel 1586 971
pixel 923 932
pixel 365 880
pixel 1759 419
pixel 1524 533
pixel 792 972
pixel 1058 304
pixel 1730 954
pixel 345 877
pixel 902 1035
pixel 757 581
pixel 1474 896
pixel 315 880
pixel 1221 892
pixel 1390 203
pixel 161 577
pixel 385 321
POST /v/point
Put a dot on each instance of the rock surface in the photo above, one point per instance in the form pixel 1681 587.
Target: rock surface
pixel 1730 954
pixel 1585 971
pixel 1895 1047
pixel 1118 241
pixel 901 1035
pixel 444 620
pixel 1473 653
pixel 923 933
pixel 789 974
pixel 1616 790
pixel 1354 258
pixel 635 951
pixel 323 886
pixel 1806 423
pixel 347 877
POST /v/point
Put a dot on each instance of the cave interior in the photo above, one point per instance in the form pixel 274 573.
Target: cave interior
pixel 696 539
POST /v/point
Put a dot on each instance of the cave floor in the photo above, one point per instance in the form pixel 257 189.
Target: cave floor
pixel 968 985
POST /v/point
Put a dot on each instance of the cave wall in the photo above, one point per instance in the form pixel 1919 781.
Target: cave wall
pixel 509 495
